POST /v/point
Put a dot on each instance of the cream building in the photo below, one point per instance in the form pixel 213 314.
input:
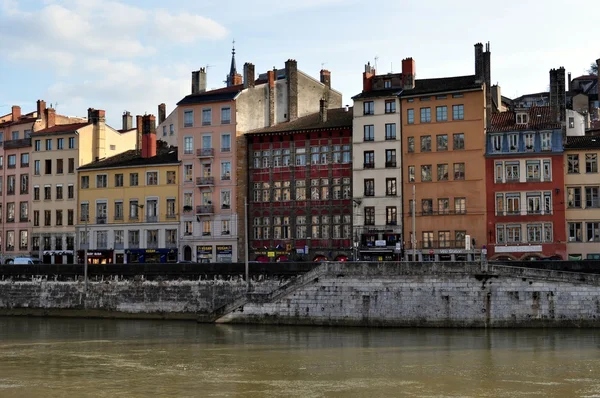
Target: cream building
pixel 168 126
pixel 582 197
pixel 57 152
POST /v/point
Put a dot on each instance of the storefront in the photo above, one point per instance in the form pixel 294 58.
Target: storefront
pixel 95 256
pixel 151 256
pixel 224 253
pixel 56 257
pixel 204 253
pixel 270 256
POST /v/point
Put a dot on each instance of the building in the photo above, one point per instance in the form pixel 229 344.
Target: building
pixel 128 204
pixel 15 146
pixel 443 133
pixel 167 126
pixel 583 95
pixel 582 198
pixel 377 164
pixel 212 148
pixel 300 202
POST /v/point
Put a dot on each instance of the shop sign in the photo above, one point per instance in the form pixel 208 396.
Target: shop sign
pixel 203 250
pixel 225 249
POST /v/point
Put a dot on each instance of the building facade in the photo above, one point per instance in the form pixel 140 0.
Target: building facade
pixel 213 149
pixel 128 204
pixel 377 163
pixel 168 126
pixel 300 204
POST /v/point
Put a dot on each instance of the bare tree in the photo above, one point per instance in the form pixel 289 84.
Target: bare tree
pixel 593 69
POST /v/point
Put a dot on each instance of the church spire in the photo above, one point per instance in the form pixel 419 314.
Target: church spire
pixel 232 69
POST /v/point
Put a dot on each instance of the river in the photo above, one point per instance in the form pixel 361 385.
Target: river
pixel 117 358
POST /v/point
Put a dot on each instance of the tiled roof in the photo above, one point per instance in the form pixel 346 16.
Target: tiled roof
pixel 61 129
pixel 337 117
pixel 388 92
pixel 133 158
pixel 220 94
pixel 586 77
pixel 583 142
pixel 444 84
pixel 540 117
pixel 24 120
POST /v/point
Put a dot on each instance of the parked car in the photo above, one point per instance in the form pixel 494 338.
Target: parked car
pixel 24 260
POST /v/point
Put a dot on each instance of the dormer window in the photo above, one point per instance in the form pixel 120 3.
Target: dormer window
pixel 387 84
pixel 522 118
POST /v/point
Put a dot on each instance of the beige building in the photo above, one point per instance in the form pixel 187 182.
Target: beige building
pixel 582 197
pixel 57 152
pixel 168 126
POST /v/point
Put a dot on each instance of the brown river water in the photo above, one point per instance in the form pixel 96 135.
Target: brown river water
pixel 117 358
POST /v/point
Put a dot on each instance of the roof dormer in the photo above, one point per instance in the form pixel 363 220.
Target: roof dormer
pixel 522 118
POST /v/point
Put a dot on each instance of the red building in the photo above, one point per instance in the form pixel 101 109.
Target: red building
pixel 300 179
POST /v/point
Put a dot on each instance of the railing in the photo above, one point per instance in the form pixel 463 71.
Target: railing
pixel 200 181
pixel 369 165
pixel 205 209
pixel 205 152
pixel 440 212
pixel 151 218
pixel 152 245
pixel 134 245
pixel 390 164
pixel 119 246
pixel 440 244
pixel 14 144
pixel 100 220
pixel 171 245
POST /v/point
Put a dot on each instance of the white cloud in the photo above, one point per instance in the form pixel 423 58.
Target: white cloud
pixel 186 28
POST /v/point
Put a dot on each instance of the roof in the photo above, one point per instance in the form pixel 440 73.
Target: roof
pixel 540 117
pixel 337 117
pixel 220 94
pixel 133 158
pixel 586 77
pixel 444 84
pixel 61 129
pixel 23 120
pixel 583 142
pixel 388 92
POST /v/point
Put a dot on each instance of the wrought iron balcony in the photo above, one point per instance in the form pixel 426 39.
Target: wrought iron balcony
pixel 205 181
pixel 151 218
pixel 205 152
pixel 205 209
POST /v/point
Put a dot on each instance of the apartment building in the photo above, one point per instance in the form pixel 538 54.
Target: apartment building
pixel 168 126
pixel 300 205
pixel 128 204
pixel 377 163
pixel 58 150
pixel 212 148
pixel 443 134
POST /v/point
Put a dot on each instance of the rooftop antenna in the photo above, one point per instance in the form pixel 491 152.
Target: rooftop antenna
pixel 391 67
pixel 322 65
pixel 375 65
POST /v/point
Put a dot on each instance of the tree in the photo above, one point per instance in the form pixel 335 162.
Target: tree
pixel 593 69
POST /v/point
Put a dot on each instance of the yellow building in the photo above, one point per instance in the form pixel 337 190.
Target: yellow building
pixel 128 204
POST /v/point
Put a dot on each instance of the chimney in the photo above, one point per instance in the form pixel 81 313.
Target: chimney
pixel 98 119
pixel 249 75
pixel 408 74
pixel 162 113
pixel 50 116
pixel 291 73
pixel 271 78
pixel 148 136
pixel 326 77
pixel 323 111
pixel 237 80
pixel 41 108
pixel 496 94
pixel 368 77
pixel 127 121
pixel 16 112
pixel 558 97
pixel 138 126
pixel 569 87
pixel 199 81
pixel 479 60
pixel 598 76
pixel 483 70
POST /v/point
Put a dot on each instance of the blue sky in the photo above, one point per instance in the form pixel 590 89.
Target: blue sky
pixel 134 54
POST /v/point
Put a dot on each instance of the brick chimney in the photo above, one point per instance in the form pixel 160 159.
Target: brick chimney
pixel 236 79
pixel 16 112
pixel 323 110
pixel 199 81
pixel 148 136
pixel 162 113
pixel 569 86
pixel 271 79
pixel 368 77
pixel 127 121
pixel 408 73
pixel 479 60
pixel 558 96
pixel 41 108
pixel 50 116
pixel 326 77
pixel 291 74
pixel 138 127
pixel 249 75
pixel 98 119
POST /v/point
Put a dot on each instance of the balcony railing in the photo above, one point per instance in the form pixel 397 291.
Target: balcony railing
pixel 171 245
pixel 390 164
pixel 205 181
pixel 14 144
pixel 205 152
pixel 119 246
pixel 370 165
pixel 440 244
pixel 151 218
pixel 440 212
pixel 205 209
pixel 100 220
pixel 152 245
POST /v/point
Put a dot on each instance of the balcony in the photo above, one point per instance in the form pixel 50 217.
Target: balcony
pixel 134 245
pixel 390 164
pixel 446 212
pixel 440 244
pixel 100 220
pixel 205 181
pixel 151 218
pixel 15 144
pixel 370 165
pixel 152 245
pixel 171 245
pixel 119 246
pixel 205 152
pixel 205 209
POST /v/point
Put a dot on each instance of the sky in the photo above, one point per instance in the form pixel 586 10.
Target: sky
pixel 131 55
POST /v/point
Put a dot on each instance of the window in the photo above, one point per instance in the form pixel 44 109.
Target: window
pixel 498 172
pixel 513 142
pixel 188 119
pixel 59 192
pixel 591 197
pixel 84 211
pixel 460 205
pixel 133 238
pixel 171 129
pixel 546 138
pixel 171 177
pixel 575 232
pixel 442 172
pixel 410 116
pixel 411 144
pixel 47 192
pixel 48 166
pixel 443 239
pixel 24 184
pixel 369 132
pixel 188 172
pixel 36 218
pixel 23 212
pixel 529 142
pixel 390 106
pixel 534 203
pixel 533 170
pixel 547 170
pixel 225 115
pixel 534 233
pixel 593 231
pixel 70 217
pixel 369 215
pixel 425 115
pixel 101 239
pixel 390 131
pixel 426 173
pixel 391 187
pixel 36 193
pixel 59 217
pixel 573 197
pixel 459 171
pixel 133 179
pixel 101 181
pixel 10 212
pixel 426 143
pixel 441 113
pixel 225 171
pixel 512 171
pixel 443 206
pixel 369 159
pixel 164 131
pixel 427 237
pixel 71 165
pixel 188 145
pixel 206 117
pixel 119 210
pixel 458 112
pixel 49 144
pixel 591 163
pixel 368 108
pixel 15 135
pixel 300 156
pixel 226 143
pixel 442 142
pixel 459 141
pixel 71 142
pixel 573 164
pixel 571 122
pixel 390 158
pixel 151 178
pixel 387 84
pixel 24 160
pixel 70 191
pixel 369 185
pixel 391 215
pixel 134 208
pixel 60 143
pixel 118 180
pixel 38 145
